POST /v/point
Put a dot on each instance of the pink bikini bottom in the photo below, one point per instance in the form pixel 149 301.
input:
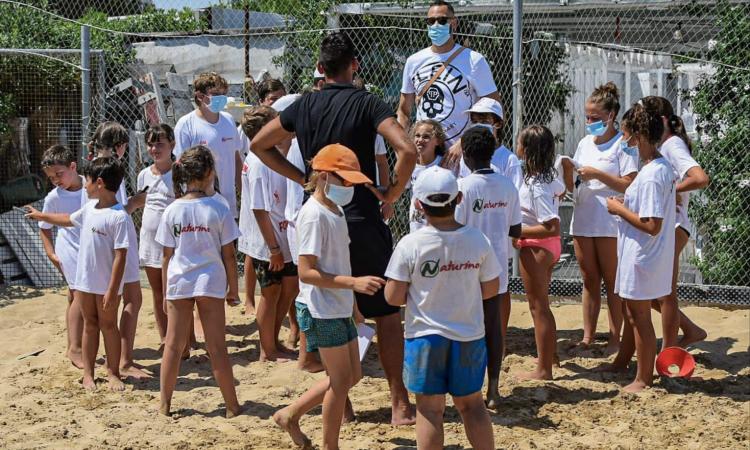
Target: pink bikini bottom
pixel 551 244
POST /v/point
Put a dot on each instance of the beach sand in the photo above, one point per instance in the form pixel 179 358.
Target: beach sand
pixel 42 403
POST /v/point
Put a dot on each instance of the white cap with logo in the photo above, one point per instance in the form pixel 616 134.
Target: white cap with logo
pixel 435 180
pixel 487 105
pixel 283 102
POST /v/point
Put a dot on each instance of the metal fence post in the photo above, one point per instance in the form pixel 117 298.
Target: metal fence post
pixel 517 93
pixel 85 87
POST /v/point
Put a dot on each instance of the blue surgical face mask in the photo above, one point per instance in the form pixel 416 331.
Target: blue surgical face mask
pixel 597 128
pixel 217 103
pixel 439 34
pixel 632 151
pixel 340 195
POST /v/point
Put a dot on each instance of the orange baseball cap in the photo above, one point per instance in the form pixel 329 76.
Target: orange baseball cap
pixel 340 160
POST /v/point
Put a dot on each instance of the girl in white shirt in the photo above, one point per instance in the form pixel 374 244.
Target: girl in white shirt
pixel 645 242
pixel 199 269
pixel 429 138
pixel 540 238
pixel 603 170
pixel 156 181
pixel 111 139
pixel 676 149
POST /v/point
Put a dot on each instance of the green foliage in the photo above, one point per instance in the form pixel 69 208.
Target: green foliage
pixel 7 111
pixel 722 103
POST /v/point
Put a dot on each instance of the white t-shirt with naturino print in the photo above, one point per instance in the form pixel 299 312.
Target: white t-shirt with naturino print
pixel 196 229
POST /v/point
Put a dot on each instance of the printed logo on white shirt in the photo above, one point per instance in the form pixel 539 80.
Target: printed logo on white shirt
pixel 480 205
pixel 440 98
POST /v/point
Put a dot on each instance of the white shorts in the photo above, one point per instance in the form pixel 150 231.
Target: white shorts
pixel 150 252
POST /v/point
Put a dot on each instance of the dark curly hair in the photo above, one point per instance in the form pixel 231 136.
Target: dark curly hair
pixel 538 144
pixel 478 144
pixel 638 121
pixel 193 165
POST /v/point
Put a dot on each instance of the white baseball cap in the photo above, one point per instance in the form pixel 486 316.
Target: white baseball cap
pixel 487 105
pixel 435 180
pixel 283 102
pixel 318 74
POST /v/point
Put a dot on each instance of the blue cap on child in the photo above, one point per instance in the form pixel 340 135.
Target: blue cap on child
pixel 435 180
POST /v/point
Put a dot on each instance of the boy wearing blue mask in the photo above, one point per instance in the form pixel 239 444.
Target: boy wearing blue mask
pixel 444 79
pixel 209 125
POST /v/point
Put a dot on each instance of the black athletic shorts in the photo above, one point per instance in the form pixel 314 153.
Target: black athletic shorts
pixel 370 248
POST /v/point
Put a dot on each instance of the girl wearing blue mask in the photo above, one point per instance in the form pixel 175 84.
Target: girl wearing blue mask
pixel 604 169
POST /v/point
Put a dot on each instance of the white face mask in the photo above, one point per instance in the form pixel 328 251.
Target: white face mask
pixel 340 195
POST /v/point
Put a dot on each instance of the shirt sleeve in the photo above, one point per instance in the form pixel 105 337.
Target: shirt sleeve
pixel 77 217
pixel 681 159
pixel 122 194
pixel 120 231
pixel 515 209
pixel 309 238
pixel 164 234
pixel 515 173
pixel 484 83
pixel 650 199
pixel 258 189
pixel 183 140
pixel 288 117
pixel 379 145
pixel 229 230
pixel 544 203
pixel 490 268
pixel 407 86
pixel 49 207
pixel 400 265
pixel 461 211
pixel 379 111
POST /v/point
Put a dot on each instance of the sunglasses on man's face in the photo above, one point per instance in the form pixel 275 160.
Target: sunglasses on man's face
pixel 441 20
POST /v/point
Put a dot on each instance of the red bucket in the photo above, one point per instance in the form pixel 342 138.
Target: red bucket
pixel 675 362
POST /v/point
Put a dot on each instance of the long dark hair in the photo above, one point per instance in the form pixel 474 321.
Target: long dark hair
pixel 660 106
pixel 108 136
pixel 639 121
pixel 193 165
pixel 538 144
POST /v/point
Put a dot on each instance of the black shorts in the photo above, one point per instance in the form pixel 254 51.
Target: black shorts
pixel 267 278
pixel 370 248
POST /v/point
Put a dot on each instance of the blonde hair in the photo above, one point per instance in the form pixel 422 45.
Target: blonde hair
pixel 437 131
pixel 255 117
pixel 207 81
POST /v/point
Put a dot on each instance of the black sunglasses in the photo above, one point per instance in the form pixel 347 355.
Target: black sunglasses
pixel 441 20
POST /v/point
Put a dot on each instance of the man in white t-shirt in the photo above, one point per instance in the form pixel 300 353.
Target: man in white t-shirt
pixel 465 78
pixel 208 125
pixel 443 273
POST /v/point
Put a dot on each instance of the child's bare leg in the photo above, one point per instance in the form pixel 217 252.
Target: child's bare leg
pixel 289 290
pixel 90 340
pixel 591 299
pixel 154 280
pixel 250 282
pixel 505 305
pixel 535 265
pixel 606 252
pixel 180 313
pixel 430 410
pixel 74 326
pixel 493 338
pixel 476 421
pixel 266 319
pixel 197 327
pixel 214 323
pixel 307 361
pixel 645 344
pixel 292 290
pixel 626 350
pixel 343 373
pixel 108 326
pixel 132 301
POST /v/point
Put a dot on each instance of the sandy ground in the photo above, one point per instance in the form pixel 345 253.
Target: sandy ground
pixel 42 403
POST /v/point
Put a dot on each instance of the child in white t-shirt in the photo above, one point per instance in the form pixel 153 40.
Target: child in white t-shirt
pixel 540 238
pixel 645 242
pixel 442 273
pixel 326 302
pixel 200 269
pixel 111 139
pixel 68 196
pixel 104 245
pixel 263 227
pixel 429 139
pixel 156 181
pixel 490 203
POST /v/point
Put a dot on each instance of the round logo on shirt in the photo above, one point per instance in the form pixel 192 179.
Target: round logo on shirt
pixel 430 268
pixel 440 99
pixel 176 229
pixel 478 205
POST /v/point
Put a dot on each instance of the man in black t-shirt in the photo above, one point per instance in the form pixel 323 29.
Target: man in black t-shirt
pixel 341 114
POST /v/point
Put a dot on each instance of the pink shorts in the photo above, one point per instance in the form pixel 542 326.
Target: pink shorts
pixel 551 244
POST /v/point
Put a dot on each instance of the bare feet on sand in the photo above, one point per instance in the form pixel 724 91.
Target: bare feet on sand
pixel 692 336
pixel 284 420
pixel 311 366
pixel 233 412
pixel 403 413
pixel 76 358
pixel 537 374
pixel 635 387
pixel 164 409
pixel 493 400
pixel 88 383
pixel 133 371
pixel 115 383
pixel 277 357
pixel 611 348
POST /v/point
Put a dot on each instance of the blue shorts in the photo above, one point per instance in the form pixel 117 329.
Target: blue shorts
pixel 435 365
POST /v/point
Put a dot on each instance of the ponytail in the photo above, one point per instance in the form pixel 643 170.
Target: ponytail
pixel 677 127
pixel 660 106
pixel 178 179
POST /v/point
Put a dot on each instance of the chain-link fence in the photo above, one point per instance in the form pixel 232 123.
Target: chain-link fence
pixel 145 55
